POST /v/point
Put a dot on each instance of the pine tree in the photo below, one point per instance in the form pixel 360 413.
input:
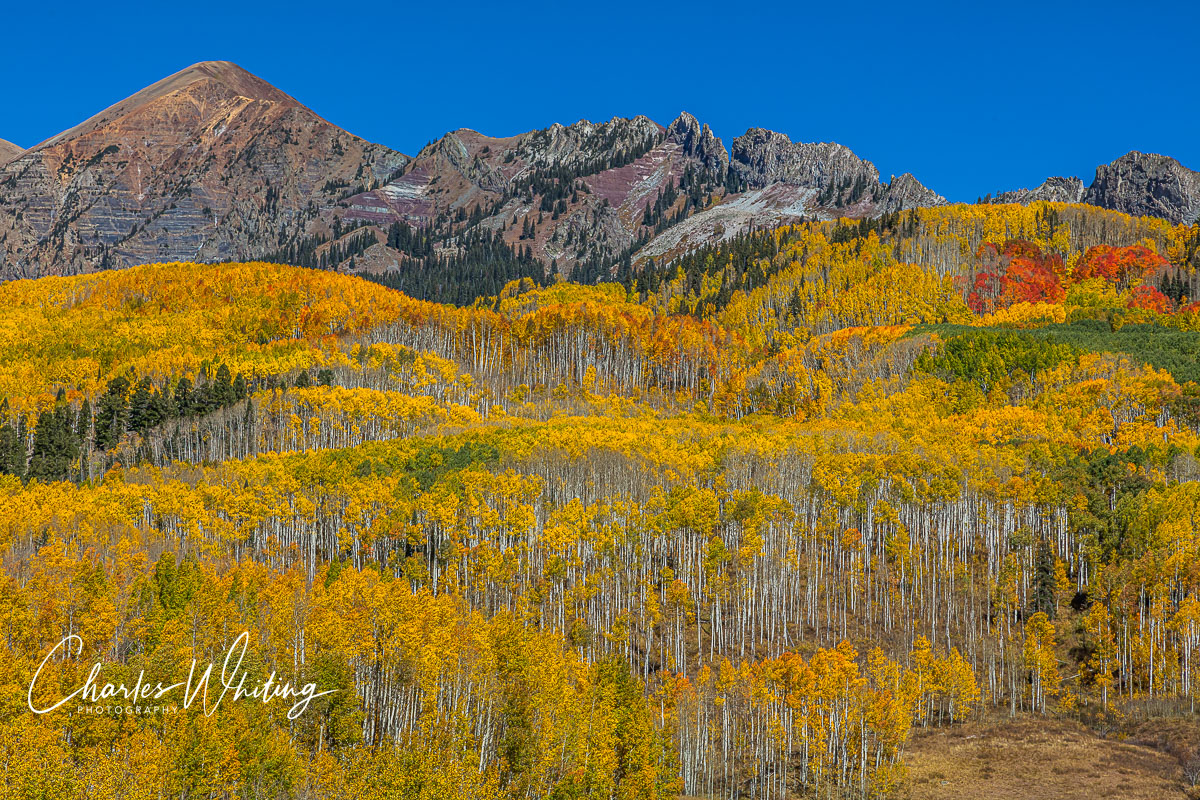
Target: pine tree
pixel 112 415
pixel 183 397
pixel 1044 584
pixel 222 388
pixel 139 406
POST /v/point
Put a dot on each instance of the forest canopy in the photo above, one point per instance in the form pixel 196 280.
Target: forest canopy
pixel 729 526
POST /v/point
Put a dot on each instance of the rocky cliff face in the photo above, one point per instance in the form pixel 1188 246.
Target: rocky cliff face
pixel 1141 184
pixel 571 195
pixel 762 157
pixel 1053 190
pixel 834 177
pixel 8 151
pixel 907 192
pixel 699 143
pixel 1145 184
pixel 211 163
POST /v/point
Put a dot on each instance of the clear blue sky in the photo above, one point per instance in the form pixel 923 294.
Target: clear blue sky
pixel 971 98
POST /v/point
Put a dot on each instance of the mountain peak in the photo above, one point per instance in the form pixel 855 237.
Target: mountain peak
pixel 906 192
pixel 699 142
pixel 210 163
pixel 684 121
pixel 225 76
pixel 239 80
pixel 1147 184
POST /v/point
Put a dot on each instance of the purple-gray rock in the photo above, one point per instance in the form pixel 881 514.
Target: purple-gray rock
pixel 1147 184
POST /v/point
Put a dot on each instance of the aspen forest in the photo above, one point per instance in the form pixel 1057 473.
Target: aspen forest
pixel 732 525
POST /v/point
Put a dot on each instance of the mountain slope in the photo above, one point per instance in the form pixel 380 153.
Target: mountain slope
pixel 211 163
pixel 575 197
pixel 8 151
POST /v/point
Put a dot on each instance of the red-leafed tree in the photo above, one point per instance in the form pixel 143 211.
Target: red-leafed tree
pixel 1124 266
pixel 1149 298
pixel 1018 272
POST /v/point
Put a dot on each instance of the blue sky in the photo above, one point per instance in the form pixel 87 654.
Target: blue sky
pixel 969 97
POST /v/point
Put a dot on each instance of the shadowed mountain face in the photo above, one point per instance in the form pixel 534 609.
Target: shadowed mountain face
pixel 1145 184
pixel 215 164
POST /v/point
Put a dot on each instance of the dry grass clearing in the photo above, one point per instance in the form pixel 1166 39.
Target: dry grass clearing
pixel 1030 758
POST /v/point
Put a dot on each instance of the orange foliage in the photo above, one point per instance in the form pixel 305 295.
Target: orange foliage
pixel 1150 299
pixel 1124 266
pixel 1022 274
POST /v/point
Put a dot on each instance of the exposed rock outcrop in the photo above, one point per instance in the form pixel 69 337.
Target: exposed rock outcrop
pixel 907 192
pixel 1141 184
pixel 587 147
pixel 699 143
pixel 1054 190
pixel 211 163
pixel 837 177
pixel 1146 184
pixel 762 157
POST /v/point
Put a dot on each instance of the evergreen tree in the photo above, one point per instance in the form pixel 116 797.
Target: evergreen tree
pixel 222 387
pixel 83 423
pixel 55 447
pixel 183 397
pixel 112 415
pixel 12 445
pixel 1044 584
pixel 139 406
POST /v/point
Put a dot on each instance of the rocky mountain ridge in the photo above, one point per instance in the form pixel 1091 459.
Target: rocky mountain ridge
pixel 1054 190
pixel 840 178
pixel 214 164
pixel 1140 184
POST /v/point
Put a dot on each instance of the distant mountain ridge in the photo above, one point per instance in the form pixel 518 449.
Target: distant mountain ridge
pixel 213 163
pixel 1140 184
pixel 1054 190
pixel 842 179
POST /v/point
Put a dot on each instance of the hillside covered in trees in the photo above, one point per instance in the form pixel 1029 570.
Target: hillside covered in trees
pixel 728 526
